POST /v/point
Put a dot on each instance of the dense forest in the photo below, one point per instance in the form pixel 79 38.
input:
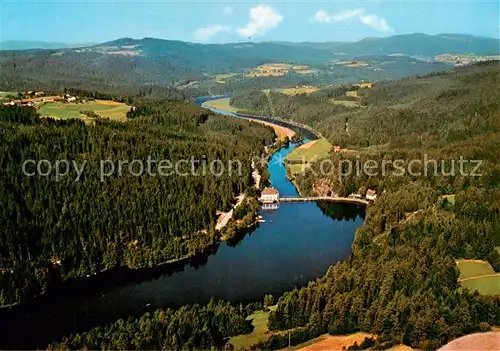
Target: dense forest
pixel 188 328
pixel 84 222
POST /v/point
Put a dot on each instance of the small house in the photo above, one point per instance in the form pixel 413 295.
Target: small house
pixel 269 195
pixel 336 148
pixel 72 99
pixel 371 194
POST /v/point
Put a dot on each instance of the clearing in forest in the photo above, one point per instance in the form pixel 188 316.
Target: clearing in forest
pixel 347 103
pixel 318 149
pixel 478 275
pixel 473 268
pixel 300 157
pixel 259 333
pixel 113 110
pixel 298 90
pixel 278 69
pixel 221 104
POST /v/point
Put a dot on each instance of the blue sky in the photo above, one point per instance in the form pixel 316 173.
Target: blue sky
pixel 72 21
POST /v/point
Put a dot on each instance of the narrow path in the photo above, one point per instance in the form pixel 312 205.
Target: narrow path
pixel 479 277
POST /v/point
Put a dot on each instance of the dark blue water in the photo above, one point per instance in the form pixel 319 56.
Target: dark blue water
pixel 296 244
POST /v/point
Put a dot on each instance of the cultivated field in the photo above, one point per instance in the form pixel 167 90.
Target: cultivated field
pixel 473 268
pixel 259 333
pixel 348 103
pixel 328 342
pixel 115 111
pixel 221 104
pixel 316 149
pixel 479 275
pixel 278 69
pixel 297 91
pixel 485 285
pixel 311 151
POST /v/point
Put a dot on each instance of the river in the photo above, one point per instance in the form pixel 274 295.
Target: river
pixel 296 244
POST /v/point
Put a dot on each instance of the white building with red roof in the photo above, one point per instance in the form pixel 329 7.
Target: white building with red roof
pixel 269 195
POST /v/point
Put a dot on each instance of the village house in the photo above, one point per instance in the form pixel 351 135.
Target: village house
pixel 371 194
pixel 269 195
pixel 336 148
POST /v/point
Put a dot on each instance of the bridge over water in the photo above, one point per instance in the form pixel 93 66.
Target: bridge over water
pixel 324 198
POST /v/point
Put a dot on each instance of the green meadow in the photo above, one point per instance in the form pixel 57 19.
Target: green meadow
pixel 488 285
pixel 109 109
pixel 300 157
pixel 259 333
pixel 479 275
pixel 473 268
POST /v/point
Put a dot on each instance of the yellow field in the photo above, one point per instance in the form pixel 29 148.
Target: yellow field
pixel 115 111
pixel 221 104
pixel 328 342
pixel 297 91
pixel 278 69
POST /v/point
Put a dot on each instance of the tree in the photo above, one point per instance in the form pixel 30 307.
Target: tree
pixel 268 300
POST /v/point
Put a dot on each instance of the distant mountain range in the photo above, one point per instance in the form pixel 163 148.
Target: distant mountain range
pixel 409 44
pixel 150 61
pixel 26 45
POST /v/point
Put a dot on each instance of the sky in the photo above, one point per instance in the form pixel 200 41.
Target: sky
pixel 85 21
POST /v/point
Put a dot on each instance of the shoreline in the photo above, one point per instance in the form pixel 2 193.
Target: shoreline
pixel 280 131
pixel 88 280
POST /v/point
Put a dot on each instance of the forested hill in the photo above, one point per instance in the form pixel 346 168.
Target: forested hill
pixel 74 227
pixel 130 62
pixel 401 282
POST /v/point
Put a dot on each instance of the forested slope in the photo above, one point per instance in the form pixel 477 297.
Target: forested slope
pixel 74 228
pixel 401 281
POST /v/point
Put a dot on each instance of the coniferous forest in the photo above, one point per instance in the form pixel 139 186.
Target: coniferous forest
pixel 78 226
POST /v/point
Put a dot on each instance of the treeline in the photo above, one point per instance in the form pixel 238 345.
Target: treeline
pixel 78 225
pixel 188 328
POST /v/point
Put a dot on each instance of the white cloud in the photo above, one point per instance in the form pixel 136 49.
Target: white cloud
pixel 373 21
pixel 228 10
pixel 324 17
pixel 262 20
pixel 206 33
pixel 376 22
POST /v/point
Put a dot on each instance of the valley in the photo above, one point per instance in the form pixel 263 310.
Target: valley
pixel 190 254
